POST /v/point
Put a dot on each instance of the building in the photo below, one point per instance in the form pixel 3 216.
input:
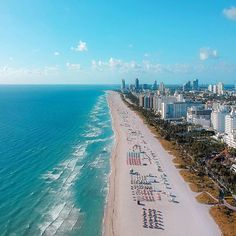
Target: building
pixel 198 115
pixel 215 88
pixel 136 84
pixel 230 122
pixel 141 100
pixel 218 119
pixel 151 99
pixel 187 86
pixel 146 104
pixel 230 129
pixel 145 86
pixel 220 88
pixel 131 87
pixel 177 110
pixel 210 88
pixel 161 87
pixel 123 88
pixel 195 85
pixel 160 99
pixel 154 87
pixel 173 110
pixel 146 101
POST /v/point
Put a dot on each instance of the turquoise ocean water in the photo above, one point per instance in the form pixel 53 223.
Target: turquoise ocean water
pixel 55 146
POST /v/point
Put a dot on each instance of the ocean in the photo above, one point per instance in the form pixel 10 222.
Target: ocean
pixel 55 148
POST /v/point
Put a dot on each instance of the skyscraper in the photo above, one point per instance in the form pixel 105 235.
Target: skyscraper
pixel 136 84
pixel 230 122
pixel 218 119
pixel 220 88
pixel 161 87
pixel 187 86
pixel 123 85
pixel 210 87
pixel 215 88
pixel 154 87
pixel 195 85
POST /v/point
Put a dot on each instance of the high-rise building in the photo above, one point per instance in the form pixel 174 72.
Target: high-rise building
pixel 141 100
pixel 210 87
pixel 187 86
pixel 199 116
pixel 136 84
pixel 123 85
pixel 218 119
pixel 215 89
pixel 177 110
pixel 230 122
pixel 131 87
pixel 195 85
pixel 146 102
pixel 220 88
pixel 230 129
pixel 161 87
pixel 154 87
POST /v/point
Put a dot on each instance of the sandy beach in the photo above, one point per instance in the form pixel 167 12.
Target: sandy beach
pixel 147 195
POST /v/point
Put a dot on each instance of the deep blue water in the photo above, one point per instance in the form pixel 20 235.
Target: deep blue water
pixel 55 145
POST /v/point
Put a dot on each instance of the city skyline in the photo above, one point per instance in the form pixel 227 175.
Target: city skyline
pixel 82 42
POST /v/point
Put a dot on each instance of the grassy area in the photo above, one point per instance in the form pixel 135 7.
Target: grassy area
pixel 225 218
pixel 199 183
pixel 204 198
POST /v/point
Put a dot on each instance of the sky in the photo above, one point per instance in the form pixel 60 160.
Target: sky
pixel 102 42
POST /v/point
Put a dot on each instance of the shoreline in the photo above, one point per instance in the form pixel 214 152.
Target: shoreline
pixel 116 217
pixel 109 208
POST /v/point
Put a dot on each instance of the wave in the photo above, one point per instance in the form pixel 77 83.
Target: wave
pixel 61 208
pixel 61 214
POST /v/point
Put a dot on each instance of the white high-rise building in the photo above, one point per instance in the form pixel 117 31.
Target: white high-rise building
pixel 218 119
pixel 165 99
pixel 210 87
pixel 230 129
pixel 180 98
pixel 215 88
pixel 230 122
pixel 220 88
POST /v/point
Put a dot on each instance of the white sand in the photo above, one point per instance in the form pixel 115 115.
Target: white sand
pixel 123 215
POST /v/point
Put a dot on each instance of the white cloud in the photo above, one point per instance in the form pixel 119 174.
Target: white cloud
pixel 208 53
pixel 56 53
pixel 24 72
pixel 98 65
pixel 230 13
pixel 73 66
pixel 51 69
pixel 115 63
pixel 148 67
pixel 81 47
pixel 118 64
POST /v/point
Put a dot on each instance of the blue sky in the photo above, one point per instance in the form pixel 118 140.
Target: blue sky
pixel 85 41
